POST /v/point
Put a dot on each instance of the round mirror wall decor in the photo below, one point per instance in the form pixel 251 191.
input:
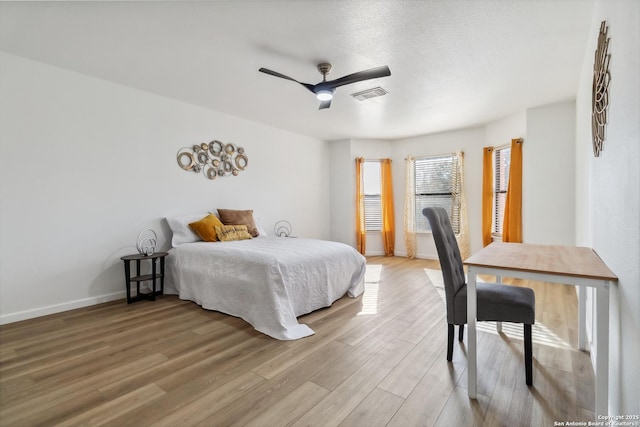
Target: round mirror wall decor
pixel 215 159
pixel 600 90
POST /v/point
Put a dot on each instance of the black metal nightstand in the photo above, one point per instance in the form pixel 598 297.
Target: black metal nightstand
pixel 153 277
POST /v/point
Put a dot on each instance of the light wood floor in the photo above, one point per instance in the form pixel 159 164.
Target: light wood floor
pixel 377 360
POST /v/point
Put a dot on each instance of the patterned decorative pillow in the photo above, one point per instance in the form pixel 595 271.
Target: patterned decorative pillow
pixel 236 217
pixel 227 233
pixel 206 228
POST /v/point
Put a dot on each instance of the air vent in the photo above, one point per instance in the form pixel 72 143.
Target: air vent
pixel 369 93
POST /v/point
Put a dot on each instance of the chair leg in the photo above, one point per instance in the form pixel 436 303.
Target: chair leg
pixel 450 343
pixel 461 333
pixel 528 356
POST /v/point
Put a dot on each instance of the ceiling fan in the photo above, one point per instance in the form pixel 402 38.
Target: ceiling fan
pixel 325 89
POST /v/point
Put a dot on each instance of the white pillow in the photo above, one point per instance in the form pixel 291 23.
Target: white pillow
pixel 182 233
pixel 258 222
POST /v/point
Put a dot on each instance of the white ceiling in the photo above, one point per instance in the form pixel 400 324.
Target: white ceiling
pixel 454 63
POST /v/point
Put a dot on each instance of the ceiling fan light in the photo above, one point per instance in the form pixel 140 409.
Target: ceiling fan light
pixel 324 95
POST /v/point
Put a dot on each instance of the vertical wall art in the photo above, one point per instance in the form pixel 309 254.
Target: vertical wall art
pixel 213 159
pixel 600 90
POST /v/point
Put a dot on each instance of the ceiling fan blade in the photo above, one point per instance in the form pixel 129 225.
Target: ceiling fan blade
pixel 324 104
pixel 373 73
pixel 277 74
pixel 282 76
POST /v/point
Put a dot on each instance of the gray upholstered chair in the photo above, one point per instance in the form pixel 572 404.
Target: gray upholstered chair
pixel 496 302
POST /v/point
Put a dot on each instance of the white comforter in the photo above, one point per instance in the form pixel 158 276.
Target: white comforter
pixel 267 281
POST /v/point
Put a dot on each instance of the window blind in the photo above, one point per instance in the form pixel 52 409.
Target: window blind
pixel 435 178
pixel 372 202
pixel 502 161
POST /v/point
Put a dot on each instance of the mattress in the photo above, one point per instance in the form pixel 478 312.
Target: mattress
pixel 267 281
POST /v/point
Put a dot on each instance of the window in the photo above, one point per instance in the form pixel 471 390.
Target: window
pixel 434 185
pixel 502 161
pixel 372 203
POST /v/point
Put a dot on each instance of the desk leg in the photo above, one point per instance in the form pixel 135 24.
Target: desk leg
pixel 582 318
pixel 472 366
pixel 602 355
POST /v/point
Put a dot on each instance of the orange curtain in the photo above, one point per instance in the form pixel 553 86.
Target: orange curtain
pixel 512 225
pixel 361 235
pixel 388 218
pixel 487 194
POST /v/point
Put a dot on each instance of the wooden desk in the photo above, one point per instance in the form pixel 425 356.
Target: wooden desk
pixel 557 264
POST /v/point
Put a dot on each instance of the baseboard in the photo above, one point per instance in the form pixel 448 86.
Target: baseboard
pixel 401 254
pixel 420 256
pixel 86 302
pixel 374 253
pixel 58 308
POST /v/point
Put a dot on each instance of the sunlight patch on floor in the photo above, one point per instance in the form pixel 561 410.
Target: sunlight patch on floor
pixel 371 288
pixel 539 333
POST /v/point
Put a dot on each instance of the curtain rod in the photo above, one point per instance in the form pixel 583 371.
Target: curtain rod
pixel 437 155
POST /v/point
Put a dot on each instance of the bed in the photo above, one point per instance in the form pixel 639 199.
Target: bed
pixel 267 281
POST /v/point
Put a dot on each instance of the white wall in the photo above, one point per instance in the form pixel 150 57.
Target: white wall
pixel 608 193
pixel 544 129
pixel 342 178
pixel 501 132
pixel 548 175
pixel 470 141
pixel 87 164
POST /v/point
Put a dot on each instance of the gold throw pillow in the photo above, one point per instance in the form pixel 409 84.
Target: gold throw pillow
pixel 206 228
pixel 227 233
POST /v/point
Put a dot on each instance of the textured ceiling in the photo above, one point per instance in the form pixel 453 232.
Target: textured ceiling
pixel 454 63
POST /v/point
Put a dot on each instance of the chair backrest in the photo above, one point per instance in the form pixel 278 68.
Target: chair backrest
pixel 449 255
